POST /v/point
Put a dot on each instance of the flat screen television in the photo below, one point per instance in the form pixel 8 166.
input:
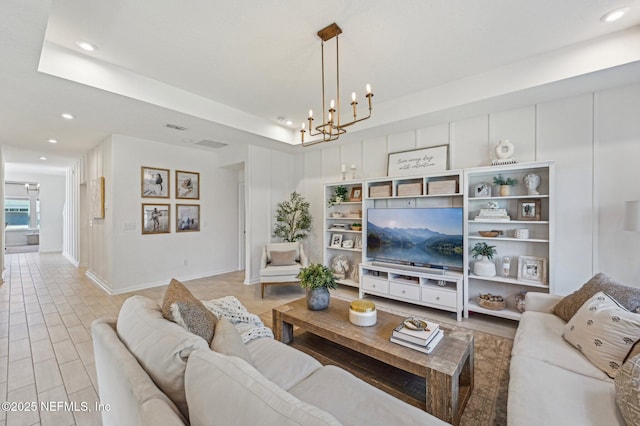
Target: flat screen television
pixel 424 237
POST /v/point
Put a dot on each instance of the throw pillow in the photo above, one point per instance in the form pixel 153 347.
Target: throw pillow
pixel 629 297
pixel 227 340
pixel 604 332
pixel 283 258
pixel 183 308
pixel 628 390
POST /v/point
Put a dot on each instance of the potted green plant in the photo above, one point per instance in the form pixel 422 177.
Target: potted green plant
pixel 356 226
pixel 505 184
pixel 317 279
pixel 293 219
pixel 339 195
pixel 484 267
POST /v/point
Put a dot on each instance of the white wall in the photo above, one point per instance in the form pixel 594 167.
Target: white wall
pixel 594 138
pixel 52 202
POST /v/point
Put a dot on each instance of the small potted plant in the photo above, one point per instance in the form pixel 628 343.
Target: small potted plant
pixel 317 279
pixel 356 226
pixel 505 184
pixel 339 195
pixel 484 267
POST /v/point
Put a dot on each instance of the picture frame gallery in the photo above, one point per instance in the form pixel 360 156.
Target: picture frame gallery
pixel 155 182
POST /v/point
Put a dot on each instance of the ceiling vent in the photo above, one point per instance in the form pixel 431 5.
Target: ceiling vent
pixel 211 144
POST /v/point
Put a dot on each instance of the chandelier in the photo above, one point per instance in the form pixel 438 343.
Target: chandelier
pixel 332 127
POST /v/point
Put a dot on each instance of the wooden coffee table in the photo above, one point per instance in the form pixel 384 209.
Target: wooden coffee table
pixel 448 370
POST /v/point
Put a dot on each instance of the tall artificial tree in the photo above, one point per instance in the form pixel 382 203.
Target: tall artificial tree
pixel 293 220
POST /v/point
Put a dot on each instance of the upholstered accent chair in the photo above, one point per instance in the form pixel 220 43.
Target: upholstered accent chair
pixel 281 263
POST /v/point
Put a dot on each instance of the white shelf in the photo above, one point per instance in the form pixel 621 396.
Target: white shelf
pixel 507 312
pixel 393 197
pixel 349 282
pixel 520 222
pixel 507 197
pixel 345 249
pixel 524 240
pixel 508 280
pixel 344 218
pixel 344 230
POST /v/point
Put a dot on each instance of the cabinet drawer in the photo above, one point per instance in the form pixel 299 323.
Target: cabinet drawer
pixel 439 297
pixel 379 285
pixel 406 291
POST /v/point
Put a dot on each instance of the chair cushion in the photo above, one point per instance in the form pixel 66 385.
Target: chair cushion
pixel 604 332
pixel 228 341
pixel 183 308
pixel 279 271
pixel 283 247
pixel 283 258
pixel 629 297
pixel 224 390
pixel 161 347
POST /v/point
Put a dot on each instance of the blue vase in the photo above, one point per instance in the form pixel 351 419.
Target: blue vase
pixel 318 298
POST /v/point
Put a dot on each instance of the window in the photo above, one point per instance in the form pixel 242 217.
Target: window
pixel 17 213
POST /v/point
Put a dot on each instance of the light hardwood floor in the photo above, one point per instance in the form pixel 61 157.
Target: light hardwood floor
pixel 46 309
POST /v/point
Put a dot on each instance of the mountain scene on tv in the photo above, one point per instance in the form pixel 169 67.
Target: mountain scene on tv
pixel 423 237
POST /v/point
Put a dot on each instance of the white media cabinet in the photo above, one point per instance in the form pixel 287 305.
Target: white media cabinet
pixel 437 289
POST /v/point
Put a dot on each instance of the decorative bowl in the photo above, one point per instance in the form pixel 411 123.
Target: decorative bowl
pixel 336 214
pixel 489 234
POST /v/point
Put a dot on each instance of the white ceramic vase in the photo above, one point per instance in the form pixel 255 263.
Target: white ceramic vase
pixel 484 267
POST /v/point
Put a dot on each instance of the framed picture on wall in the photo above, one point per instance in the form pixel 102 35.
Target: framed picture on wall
pixel 187 217
pixel 187 185
pixel 418 161
pixel 155 182
pixel 96 197
pixel 156 219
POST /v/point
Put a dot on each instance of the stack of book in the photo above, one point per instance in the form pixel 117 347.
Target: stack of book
pixel 423 340
pixel 493 215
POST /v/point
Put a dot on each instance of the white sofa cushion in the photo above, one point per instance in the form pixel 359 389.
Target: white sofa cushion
pixel 604 332
pixel 161 347
pixel 543 394
pixel 224 390
pixel 539 336
pixel 280 363
pixel 354 402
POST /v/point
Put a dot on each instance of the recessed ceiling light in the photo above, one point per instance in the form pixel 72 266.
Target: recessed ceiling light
pixel 85 45
pixel 289 122
pixel 52 141
pixel 43 158
pixel 68 116
pixel 614 15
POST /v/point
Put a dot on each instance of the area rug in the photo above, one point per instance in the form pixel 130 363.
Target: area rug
pixel 488 402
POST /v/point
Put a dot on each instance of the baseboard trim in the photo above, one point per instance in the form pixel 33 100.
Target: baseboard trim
pixel 73 261
pixel 166 282
pixel 98 281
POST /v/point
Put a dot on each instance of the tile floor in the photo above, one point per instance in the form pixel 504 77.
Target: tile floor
pixel 46 309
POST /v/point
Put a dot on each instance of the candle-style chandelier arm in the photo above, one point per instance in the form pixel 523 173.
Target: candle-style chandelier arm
pixel 332 128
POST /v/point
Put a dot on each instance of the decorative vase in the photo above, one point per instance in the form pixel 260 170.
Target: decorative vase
pixel 505 190
pixel 317 298
pixel 484 267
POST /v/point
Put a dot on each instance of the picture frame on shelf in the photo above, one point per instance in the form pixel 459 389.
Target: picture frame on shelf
pixel 187 185
pixel 356 194
pixel 347 244
pixel 529 209
pixel 418 161
pixel 156 219
pixel 358 242
pixel 532 269
pixel 187 217
pixel 482 190
pixel 336 240
pixel 154 182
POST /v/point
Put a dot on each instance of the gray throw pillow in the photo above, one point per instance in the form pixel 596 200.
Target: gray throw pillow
pixel 628 391
pixel 183 308
pixel 283 258
pixel 629 297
